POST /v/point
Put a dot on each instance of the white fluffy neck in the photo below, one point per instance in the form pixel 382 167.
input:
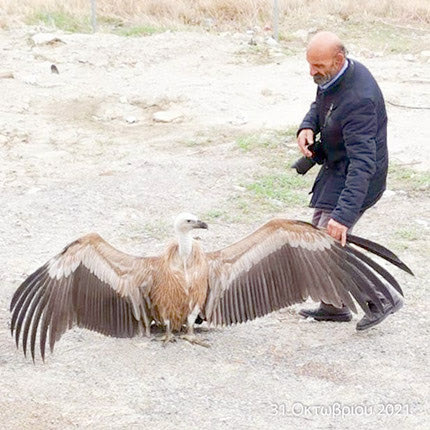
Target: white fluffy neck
pixel 185 241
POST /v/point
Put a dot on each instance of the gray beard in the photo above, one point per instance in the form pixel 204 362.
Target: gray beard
pixel 321 79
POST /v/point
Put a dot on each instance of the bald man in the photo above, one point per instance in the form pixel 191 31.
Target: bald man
pixel 349 116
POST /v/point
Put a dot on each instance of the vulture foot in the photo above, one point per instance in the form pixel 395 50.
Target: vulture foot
pixel 167 338
pixel 195 340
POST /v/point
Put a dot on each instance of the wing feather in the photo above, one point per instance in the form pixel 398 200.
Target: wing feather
pixel 285 262
pixel 90 284
pixel 40 307
pixel 22 293
pixel 379 269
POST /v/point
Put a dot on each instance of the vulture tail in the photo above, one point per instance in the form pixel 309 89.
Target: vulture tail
pixel 379 250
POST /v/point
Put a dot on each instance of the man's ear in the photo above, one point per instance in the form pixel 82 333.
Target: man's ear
pixel 339 59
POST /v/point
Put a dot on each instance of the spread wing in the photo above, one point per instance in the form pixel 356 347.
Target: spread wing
pixel 285 262
pixel 90 284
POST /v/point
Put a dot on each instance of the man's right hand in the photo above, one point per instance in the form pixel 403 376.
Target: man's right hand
pixel 304 139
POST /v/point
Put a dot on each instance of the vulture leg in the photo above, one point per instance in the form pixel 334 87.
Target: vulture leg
pixel 190 335
pixel 168 337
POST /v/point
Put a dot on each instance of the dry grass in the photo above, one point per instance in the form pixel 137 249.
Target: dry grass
pixel 223 14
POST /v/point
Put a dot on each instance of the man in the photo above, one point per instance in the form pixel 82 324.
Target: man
pixel 349 113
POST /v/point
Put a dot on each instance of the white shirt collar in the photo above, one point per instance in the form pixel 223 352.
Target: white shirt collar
pixel 335 78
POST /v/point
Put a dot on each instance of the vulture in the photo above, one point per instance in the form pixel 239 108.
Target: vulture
pixel 93 285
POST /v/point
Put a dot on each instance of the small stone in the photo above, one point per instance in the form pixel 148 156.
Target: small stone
pixel 422 222
pixel 409 57
pixel 131 119
pixel 388 194
pixel 209 22
pixel 166 116
pixel 7 75
pixel 45 39
pixel 301 34
pixel 33 190
pixel 271 41
pixel 240 37
pixel 266 92
pixel 240 120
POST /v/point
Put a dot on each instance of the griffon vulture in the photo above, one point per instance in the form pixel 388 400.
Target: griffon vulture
pixel 93 285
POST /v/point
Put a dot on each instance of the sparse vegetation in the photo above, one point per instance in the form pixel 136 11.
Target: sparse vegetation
pixel 367 23
pixel 275 184
pixel 214 214
pixel 249 208
pixel 264 54
pixel 408 179
pixel 281 187
pixel 269 139
pixel 407 234
pixel 290 132
pixel 140 30
pixel 201 141
pixel 383 37
pixel 231 12
pixel 61 20
pixel 410 236
pixel 157 230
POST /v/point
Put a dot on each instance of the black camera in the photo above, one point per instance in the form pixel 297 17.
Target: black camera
pixel 303 164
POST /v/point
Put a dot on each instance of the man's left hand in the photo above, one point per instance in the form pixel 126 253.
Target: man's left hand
pixel 337 230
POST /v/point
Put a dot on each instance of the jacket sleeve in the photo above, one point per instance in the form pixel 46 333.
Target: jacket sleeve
pixel 310 120
pixel 359 133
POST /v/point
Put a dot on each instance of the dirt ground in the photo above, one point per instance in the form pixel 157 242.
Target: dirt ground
pixel 81 152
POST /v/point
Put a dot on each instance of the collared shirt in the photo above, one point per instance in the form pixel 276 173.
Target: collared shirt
pixel 335 78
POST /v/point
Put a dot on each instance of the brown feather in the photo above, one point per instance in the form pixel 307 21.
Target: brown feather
pixel 89 283
pixel 93 285
pixel 172 295
pixel 285 262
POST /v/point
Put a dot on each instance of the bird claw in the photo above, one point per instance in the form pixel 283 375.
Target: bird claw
pixel 167 338
pixel 195 340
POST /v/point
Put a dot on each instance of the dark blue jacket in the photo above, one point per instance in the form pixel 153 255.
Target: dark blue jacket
pixel 351 117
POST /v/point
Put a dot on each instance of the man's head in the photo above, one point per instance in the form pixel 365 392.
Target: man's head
pixel 326 56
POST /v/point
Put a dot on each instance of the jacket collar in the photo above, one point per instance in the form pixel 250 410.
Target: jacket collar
pixel 342 80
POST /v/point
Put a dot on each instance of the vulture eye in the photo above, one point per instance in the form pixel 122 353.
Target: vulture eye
pixel 188 220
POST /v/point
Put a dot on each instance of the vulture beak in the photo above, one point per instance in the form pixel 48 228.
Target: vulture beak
pixel 201 224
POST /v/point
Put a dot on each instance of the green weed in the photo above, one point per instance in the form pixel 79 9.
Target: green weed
pixel 61 20
pixel 286 187
pixel 140 30
pixel 266 140
pixel 406 178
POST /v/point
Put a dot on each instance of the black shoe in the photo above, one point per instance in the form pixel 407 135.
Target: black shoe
pixel 321 314
pixel 379 316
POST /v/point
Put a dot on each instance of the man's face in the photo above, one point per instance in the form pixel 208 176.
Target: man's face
pixel 323 69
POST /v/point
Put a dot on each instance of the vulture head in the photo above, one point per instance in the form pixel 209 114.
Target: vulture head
pixel 186 222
